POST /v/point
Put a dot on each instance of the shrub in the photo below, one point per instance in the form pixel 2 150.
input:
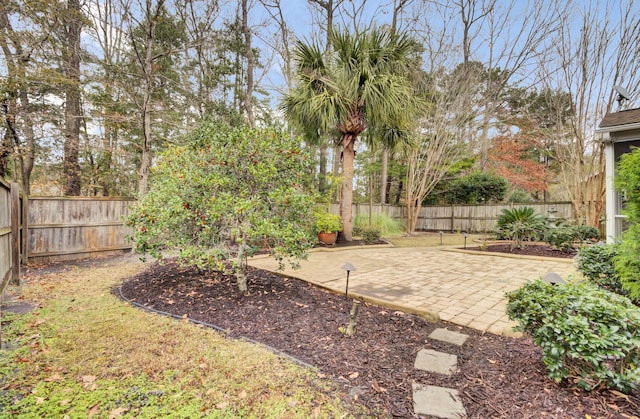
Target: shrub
pixel 586 233
pixel 519 195
pixel 370 235
pixel 327 222
pixel 560 238
pixel 584 332
pixel 477 187
pixel 222 191
pixel 519 225
pixel 596 264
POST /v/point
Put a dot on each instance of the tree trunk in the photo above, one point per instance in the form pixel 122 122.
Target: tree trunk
pixel 145 158
pixel 241 276
pixel 383 176
pixel 346 201
pixel 71 165
pixel 353 315
pixel 322 176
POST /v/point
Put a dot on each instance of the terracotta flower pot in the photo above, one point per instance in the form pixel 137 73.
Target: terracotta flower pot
pixel 327 238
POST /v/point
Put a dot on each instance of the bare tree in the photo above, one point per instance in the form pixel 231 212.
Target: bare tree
pixel 248 96
pixel 507 41
pixel 591 55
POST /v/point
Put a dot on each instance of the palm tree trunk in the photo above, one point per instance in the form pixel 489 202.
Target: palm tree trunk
pixel 348 156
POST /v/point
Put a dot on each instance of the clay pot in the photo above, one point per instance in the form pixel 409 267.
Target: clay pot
pixel 327 238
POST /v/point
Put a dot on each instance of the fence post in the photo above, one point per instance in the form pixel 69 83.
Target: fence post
pixel 25 230
pixel 15 233
pixel 452 216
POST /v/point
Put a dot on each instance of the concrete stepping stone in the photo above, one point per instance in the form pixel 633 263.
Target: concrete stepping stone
pixel 434 361
pixel 437 401
pixel 445 335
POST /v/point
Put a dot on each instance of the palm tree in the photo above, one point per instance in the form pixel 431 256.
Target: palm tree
pixel 363 83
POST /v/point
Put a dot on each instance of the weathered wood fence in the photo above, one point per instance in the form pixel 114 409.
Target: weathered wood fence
pixel 470 218
pixel 9 234
pixel 64 228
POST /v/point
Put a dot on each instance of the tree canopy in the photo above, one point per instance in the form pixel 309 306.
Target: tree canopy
pixel 225 194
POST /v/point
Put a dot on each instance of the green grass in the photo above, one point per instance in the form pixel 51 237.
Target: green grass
pixel 85 353
pixel 387 225
pixel 433 239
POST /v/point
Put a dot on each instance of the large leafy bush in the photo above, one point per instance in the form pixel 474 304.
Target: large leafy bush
pixel 224 194
pixel 596 265
pixel 585 332
pixel 627 262
pixel 520 224
pixel 564 237
pixel 477 188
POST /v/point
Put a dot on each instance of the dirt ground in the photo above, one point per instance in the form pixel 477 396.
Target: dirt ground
pixel 498 377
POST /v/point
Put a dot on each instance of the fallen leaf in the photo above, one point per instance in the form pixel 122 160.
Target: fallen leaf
pixel 88 380
pixel 94 410
pixel 222 405
pixel 619 394
pixel 64 402
pixel 354 375
pixel 116 413
pixel 52 378
pixel 378 389
pixel 185 318
pixel 40 400
pixel 243 394
pixel 170 302
pixel 491 361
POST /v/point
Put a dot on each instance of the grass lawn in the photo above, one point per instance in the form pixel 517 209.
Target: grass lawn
pixel 430 239
pixel 85 353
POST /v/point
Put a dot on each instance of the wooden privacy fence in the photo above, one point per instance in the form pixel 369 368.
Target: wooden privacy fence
pixel 65 228
pixel 470 218
pixel 9 234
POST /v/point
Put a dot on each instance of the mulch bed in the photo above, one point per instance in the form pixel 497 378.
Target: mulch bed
pixel 498 377
pixel 528 250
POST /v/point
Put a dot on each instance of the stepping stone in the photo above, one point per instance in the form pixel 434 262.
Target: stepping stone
pixel 437 401
pixel 448 336
pixel 434 361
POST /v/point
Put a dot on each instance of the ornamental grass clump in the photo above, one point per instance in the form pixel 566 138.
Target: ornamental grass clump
pixel 588 335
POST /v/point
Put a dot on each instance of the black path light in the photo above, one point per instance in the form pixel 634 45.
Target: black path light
pixel 440 237
pixel 348 267
pixel 465 239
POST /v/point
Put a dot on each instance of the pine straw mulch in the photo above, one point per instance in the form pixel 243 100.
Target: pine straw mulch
pixel 498 377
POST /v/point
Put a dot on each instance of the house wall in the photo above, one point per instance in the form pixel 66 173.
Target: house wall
pixel 617 144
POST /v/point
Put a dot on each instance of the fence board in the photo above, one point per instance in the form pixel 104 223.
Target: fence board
pixel 63 228
pixel 471 218
pixel 9 234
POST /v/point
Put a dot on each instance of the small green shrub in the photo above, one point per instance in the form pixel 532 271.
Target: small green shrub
pixel 586 233
pixel 520 196
pixel 370 235
pixel 560 238
pixel 596 264
pixel 357 231
pixel 583 331
pixel 519 225
pixel 327 222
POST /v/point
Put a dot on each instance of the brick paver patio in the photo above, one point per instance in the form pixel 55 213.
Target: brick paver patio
pixel 462 287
